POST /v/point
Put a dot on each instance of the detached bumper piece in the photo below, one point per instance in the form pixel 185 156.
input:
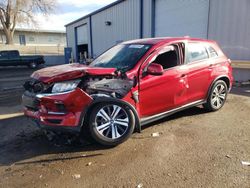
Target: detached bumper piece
pixel 56 110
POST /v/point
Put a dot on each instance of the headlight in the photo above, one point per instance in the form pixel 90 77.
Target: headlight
pixel 65 86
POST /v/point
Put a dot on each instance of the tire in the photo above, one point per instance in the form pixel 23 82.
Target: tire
pixel 33 65
pixel 217 96
pixel 111 123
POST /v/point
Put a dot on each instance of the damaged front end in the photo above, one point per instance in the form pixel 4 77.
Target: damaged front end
pixel 61 104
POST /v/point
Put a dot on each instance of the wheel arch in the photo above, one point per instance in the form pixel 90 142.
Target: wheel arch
pixel 224 78
pixel 99 100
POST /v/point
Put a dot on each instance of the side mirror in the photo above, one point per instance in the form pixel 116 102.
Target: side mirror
pixel 155 69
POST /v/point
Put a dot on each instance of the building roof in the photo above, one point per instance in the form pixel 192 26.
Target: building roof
pixel 95 12
pixel 38 30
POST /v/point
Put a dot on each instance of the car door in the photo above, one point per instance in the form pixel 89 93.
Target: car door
pixel 163 92
pixel 199 71
pixel 14 58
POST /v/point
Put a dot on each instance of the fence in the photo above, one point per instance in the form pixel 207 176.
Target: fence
pixel 34 50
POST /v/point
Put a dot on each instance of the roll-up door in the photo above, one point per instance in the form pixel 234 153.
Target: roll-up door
pixel 82 35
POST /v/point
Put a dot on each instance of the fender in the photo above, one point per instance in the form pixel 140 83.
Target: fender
pixel 110 99
pixel 215 80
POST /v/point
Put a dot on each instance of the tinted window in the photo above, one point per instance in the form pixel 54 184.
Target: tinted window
pixel 4 54
pixel 13 53
pixel 212 52
pixel 196 52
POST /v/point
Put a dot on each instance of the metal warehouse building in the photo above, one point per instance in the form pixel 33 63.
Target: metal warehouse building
pixel 226 21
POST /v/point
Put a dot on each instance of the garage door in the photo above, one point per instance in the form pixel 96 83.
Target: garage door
pixel 82 34
pixel 181 18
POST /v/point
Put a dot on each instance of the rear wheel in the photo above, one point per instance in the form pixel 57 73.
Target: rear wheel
pixel 111 123
pixel 217 96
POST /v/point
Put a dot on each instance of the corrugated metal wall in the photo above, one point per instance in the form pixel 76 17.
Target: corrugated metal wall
pixel 226 21
pixel 229 25
pixel 147 18
pixel 181 17
pixel 125 25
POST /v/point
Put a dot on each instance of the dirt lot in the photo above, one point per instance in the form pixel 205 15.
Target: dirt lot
pixel 194 149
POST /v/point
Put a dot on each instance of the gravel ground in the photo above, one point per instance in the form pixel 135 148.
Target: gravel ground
pixel 194 149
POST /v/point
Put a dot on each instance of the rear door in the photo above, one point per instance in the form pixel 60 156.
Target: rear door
pixel 199 72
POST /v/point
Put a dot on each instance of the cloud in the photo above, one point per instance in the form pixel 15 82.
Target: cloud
pixel 84 3
pixel 57 21
pixel 71 10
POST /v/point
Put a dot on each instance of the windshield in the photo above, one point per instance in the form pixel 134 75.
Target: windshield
pixel 122 56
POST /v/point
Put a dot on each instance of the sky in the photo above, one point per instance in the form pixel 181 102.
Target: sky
pixel 68 11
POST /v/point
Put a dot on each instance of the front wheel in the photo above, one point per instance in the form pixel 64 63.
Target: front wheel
pixel 111 123
pixel 217 96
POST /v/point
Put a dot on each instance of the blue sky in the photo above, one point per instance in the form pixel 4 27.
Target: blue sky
pixel 69 10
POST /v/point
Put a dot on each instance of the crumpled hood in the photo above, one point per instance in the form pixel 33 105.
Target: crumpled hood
pixel 69 72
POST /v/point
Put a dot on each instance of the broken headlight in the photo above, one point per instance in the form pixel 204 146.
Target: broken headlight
pixel 65 86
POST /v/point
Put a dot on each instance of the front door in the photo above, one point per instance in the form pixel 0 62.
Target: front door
pixel 158 94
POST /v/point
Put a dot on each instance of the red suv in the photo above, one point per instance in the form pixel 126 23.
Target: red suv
pixel 131 84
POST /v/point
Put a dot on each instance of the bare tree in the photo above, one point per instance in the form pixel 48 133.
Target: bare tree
pixel 13 12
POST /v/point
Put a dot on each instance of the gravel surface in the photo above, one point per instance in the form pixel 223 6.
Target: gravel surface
pixel 192 148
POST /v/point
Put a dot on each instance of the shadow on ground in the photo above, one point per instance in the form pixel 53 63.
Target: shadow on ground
pixel 22 141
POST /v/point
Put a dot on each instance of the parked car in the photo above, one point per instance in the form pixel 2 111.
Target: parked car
pixel 128 86
pixel 13 58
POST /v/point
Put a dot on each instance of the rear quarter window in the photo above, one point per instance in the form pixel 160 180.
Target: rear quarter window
pixel 212 52
pixel 196 52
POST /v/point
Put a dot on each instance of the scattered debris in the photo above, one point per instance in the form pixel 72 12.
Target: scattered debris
pixel 76 176
pixel 228 156
pixel 139 185
pixel 103 164
pixel 246 163
pixel 62 172
pixel 90 163
pixel 156 134
pixel 7 169
pixel 83 155
pixel 169 175
pixel 46 185
pixel 41 176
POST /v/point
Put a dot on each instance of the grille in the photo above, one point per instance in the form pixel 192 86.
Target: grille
pixel 35 86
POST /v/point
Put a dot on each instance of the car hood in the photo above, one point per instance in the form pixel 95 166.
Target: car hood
pixel 69 72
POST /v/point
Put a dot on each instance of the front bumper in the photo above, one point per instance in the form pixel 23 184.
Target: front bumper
pixel 57 111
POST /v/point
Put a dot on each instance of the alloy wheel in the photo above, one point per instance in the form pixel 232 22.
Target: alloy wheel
pixel 111 121
pixel 218 96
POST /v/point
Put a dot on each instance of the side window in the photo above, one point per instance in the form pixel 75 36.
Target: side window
pixel 212 52
pixel 14 53
pixel 168 59
pixel 3 55
pixel 196 52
